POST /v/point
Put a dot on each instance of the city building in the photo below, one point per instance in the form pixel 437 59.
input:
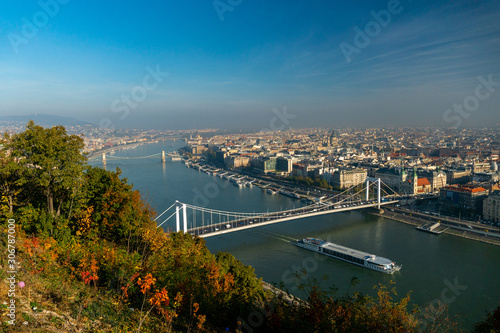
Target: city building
pixel 437 178
pixel 299 169
pixel 348 177
pixel 264 164
pixel 458 176
pixel 481 177
pixel 481 167
pixel 220 156
pixel 467 199
pixel 420 186
pixel 394 178
pixel 284 164
pixel 491 207
pixel 237 161
pixel 198 150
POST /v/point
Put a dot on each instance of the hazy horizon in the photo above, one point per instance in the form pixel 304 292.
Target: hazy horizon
pixel 236 130
pixel 240 64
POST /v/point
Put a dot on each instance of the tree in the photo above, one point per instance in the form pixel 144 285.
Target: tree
pixel 10 179
pixel 53 161
pixel 325 312
pixel 210 155
pixel 249 286
pixel 110 209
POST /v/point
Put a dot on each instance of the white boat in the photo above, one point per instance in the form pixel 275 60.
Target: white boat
pixel 174 156
pixel 431 228
pixel 271 191
pixel 352 256
pixel 290 194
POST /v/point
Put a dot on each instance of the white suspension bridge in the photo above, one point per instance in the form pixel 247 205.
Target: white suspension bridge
pixel 206 222
pixel 105 157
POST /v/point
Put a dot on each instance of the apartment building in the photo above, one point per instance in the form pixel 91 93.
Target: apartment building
pixel 491 207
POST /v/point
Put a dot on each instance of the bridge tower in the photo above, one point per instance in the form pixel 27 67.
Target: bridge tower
pixel 373 180
pixel 104 159
pixel 178 207
pixel 163 159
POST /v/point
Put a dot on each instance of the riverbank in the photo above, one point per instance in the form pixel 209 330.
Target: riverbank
pixel 289 298
pixel 416 221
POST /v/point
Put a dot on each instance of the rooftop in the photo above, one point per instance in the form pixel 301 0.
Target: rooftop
pixel 465 188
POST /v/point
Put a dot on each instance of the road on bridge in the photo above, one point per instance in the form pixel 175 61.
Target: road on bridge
pixel 213 229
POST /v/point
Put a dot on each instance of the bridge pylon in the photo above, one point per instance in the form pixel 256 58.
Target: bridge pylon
pixel 178 207
pixel 373 180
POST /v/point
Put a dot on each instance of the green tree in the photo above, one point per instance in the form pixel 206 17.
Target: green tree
pixel 249 286
pixel 10 179
pixel 210 155
pixel 53 161
pixel 325 312
pixel 110 209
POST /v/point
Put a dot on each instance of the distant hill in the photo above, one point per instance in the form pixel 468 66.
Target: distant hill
pixel 45 120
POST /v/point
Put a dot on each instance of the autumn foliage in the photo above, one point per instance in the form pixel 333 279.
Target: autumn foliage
pixel 324 312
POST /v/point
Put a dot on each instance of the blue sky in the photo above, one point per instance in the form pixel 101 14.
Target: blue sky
pixel 232 72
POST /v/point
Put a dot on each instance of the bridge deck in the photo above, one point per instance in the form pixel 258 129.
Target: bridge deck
pixel 276 217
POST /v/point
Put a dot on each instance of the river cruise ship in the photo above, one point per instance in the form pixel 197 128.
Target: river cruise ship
pixel 352 256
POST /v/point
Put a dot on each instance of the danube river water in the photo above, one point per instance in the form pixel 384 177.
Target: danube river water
pixel 463 273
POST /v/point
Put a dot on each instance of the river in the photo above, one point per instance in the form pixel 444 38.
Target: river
pixel 460 272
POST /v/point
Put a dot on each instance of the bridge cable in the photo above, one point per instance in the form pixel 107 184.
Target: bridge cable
pixel 164 212
pixel 166 219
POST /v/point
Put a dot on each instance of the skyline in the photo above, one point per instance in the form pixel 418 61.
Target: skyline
pixel 232 64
